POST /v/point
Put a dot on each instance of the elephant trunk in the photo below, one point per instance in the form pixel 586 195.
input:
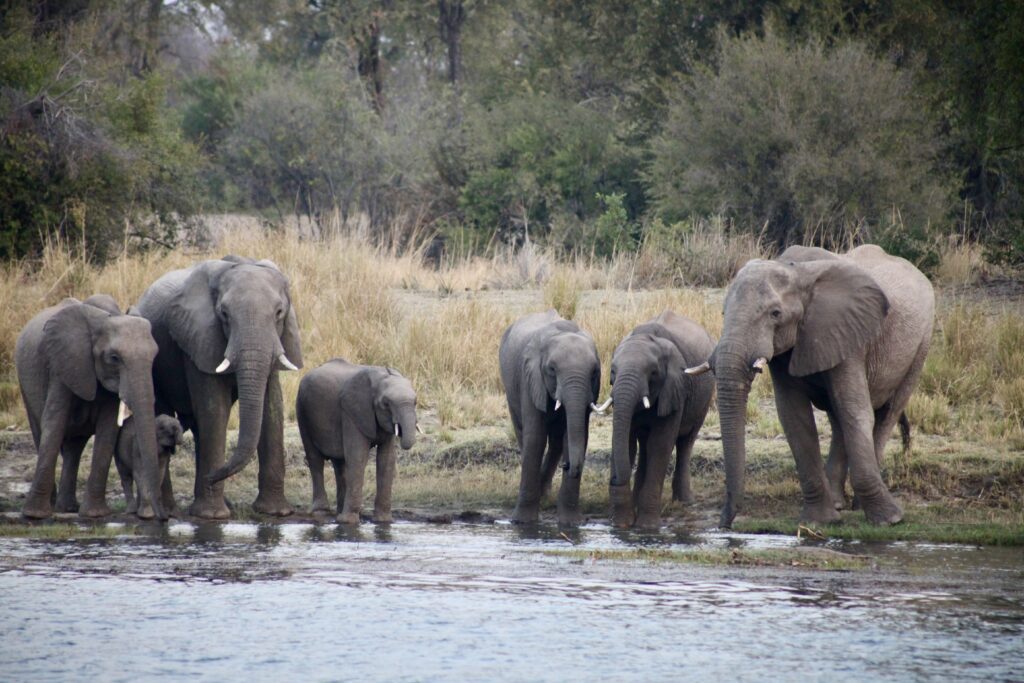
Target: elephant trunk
pixel 406 421
pixel 733 378
pixel 626 394
pixel 137 393
pixel 252 374
pixel 576 397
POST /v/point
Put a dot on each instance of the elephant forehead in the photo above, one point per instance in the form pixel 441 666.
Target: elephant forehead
pixel 257 279
pixel 128 333
pixel 636 350
pixel 571 349
pixel 761 280
pixel 399 388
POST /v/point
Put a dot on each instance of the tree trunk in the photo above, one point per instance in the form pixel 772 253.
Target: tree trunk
pixel 451 16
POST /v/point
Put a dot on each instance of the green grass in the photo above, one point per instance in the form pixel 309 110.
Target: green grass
pixel 916 527
pixel 62 531
pixel 808 558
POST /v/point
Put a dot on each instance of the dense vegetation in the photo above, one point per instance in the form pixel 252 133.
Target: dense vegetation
pixel 589 127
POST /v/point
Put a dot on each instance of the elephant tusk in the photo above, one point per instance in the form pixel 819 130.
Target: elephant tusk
pixel 759 364
pixel 418 429
pixel 396 430
pixel 647 403
pixel 123 413
pixel 698 369
pixel 223 366
pixel 558 404
pixel 599 409
pixel 286 363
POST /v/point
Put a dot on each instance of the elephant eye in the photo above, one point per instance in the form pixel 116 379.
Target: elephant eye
pixel 280 313
pixel 114 359
pixel 776 314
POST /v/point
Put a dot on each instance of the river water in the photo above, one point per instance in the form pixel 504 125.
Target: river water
pixel 421 602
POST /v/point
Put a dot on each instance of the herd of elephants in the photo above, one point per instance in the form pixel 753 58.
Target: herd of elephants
pixel 846 333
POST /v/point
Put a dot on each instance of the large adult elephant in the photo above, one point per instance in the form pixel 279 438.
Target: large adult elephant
pixel 658 407
pixel 81 367
pixel 846 334
pixel 552 376
pixel 224 328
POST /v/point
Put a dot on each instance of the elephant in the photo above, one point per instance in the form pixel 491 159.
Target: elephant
pixel 82 367
pixel 127 458
pixel 657 407
pixel 225 327
pixel 847 334
pixel 343 411
pixel 552 376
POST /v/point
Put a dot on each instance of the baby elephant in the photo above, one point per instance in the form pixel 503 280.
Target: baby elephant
pixel 343 410
pixel 126 457
pixel 658 407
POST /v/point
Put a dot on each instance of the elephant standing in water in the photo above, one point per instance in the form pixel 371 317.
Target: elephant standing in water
pixel 552 376
pixel 658 407
pixel 846 334
pixel 225 327
pixel 82 366
pixel 127 458
pixel 344 410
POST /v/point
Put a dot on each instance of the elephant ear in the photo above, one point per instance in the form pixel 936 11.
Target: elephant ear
pixel 533 377
pixel 192 318
pixel 673 390
pixel 844 314
pixel 67 342
pixel 290 337
pixel 356 398
pixel 104 302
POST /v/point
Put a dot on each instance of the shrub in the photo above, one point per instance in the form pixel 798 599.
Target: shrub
pixel 805 142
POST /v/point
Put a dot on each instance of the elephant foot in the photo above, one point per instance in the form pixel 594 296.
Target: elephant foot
pixel 275 505
pixel 526 514
pixel 883 511
pixel 382 517
pixel 650 521
pixel 94 508
pixel 684 497
pixel 37 509
pixel 207 508
pixel 348 518
pixel 66 505
pixel 838 495
pixel 320 505
pixel 621 499
pixel 132 508
pixel 822 512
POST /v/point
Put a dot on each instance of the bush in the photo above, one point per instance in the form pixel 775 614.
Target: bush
pixel 803 142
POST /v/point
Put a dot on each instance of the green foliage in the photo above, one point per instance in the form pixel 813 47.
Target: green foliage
pixel 535 160
pixel 801 141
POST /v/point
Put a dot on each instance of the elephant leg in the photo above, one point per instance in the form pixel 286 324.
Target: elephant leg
pixel 385 477
pixel 38 502
pixel 211 406
pixel 357 451
pixel 315 462
pixel 648 500
pixel 338 464
pixel 270 500
pixel 849 397
pixel 641 465
pixel 557 445
pixel 681 488
pixel 131 503
pixel 167 489
pixel 569 493
pixel 837 465
pixel 528 505
pixel 71 456
pixel 94 503
pixel 797 417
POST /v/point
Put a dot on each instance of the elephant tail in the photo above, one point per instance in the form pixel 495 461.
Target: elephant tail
pixel 905 435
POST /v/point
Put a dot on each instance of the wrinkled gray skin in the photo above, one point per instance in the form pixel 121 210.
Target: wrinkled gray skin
pixel 343 411
pixel 650 362
pixel 545 359
pixel 128 460
pixel 846 334
pixel 76 361
pixel 237 310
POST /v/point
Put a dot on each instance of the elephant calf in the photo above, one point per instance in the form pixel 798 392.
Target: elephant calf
pixel 127 458
pixel 658 407
pixel 552 375
pixel 343 410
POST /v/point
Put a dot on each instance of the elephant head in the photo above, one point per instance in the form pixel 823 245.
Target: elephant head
pixel 563 369
pixel 235 316
pixel 88 346
pixel 804 317
pixel 647 374
pixel 168 438
pixel 380 399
